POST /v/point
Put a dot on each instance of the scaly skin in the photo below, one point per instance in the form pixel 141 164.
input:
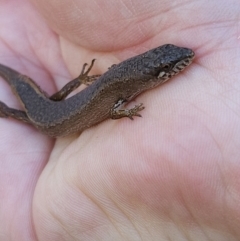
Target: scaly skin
pixel 120 84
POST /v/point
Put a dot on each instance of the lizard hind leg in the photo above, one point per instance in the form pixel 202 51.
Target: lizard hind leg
pixel 6 111
pixel 11 75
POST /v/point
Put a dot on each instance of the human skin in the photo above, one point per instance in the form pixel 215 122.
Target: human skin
pixel 172 174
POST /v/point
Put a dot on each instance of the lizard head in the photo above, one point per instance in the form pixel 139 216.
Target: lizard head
pixel 167 61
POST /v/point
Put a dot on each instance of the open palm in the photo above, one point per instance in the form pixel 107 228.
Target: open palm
pixel 171 175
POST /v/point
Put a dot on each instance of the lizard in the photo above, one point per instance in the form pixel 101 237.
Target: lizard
pixel 58 116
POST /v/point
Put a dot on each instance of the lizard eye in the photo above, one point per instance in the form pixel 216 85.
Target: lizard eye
pixel 166 67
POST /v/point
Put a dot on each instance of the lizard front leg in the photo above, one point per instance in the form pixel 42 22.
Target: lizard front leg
pixel 83 78
pixel 120 113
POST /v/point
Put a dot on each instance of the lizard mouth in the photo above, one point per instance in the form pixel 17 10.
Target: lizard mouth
pixel 181 65
pixel 177 68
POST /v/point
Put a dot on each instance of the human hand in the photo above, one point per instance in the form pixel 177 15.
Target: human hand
pixel 172 174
